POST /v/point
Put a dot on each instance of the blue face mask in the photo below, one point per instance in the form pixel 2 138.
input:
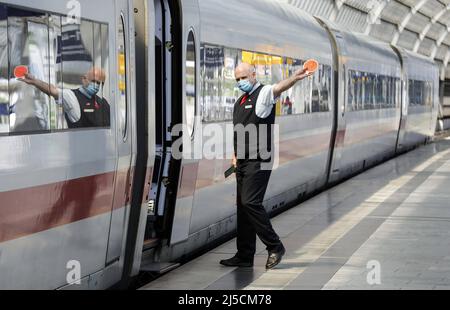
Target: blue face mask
pixel 245 86
pixel 92 89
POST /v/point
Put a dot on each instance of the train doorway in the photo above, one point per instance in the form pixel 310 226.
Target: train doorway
pixel 158 77
pixel 162 193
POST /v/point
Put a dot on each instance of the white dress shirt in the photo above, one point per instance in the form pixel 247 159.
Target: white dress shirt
pixel 70 104
pixel 266 100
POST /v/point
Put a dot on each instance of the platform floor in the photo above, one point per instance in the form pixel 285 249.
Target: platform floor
pixel 389 225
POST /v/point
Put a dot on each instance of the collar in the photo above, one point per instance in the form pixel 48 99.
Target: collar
pixel 255 88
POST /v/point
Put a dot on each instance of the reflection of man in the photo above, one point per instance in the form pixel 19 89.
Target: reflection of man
pixel 255 107
pixel 288 105
pixel 82 107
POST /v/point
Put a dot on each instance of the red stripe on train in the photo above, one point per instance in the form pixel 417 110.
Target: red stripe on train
pixel 28 211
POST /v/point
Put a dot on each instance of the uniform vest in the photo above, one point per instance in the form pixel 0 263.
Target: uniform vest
pixel 95 112
pixel 245 114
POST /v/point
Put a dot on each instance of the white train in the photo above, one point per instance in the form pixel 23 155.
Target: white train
pixel 98 204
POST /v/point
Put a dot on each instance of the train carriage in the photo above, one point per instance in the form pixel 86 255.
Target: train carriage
pixel 90 207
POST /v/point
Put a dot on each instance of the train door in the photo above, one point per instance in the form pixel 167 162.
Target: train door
pixel 146 121
pixel 189 166
pixel 436 104
pixel 171 190
pixel 341 108
pixel 404 103
pixel 156 176
pixel 124 129
pixel 176 60
pixel 340 100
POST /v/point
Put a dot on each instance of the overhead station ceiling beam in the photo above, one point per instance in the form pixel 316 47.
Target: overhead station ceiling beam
pixel 374 14
pixel 338 4
pixel 427 28
pixel 406 20
pixel 375 9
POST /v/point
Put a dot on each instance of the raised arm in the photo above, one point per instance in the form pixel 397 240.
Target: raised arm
pixel 44 87
pixel 284 85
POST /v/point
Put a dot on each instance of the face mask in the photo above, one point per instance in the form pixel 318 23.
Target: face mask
pixel 92 89
pixel 245 86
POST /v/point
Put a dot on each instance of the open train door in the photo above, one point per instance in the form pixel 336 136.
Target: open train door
pixel 176 65
pixel 123 77
pixel 184 145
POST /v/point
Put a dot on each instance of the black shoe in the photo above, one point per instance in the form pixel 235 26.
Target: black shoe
pixel 236 262
pixel 275 258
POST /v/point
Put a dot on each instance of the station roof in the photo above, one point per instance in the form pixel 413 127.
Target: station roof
pixel 421 26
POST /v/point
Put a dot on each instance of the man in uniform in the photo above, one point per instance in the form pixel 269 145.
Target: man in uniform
pixel 255 109
pixel 82 107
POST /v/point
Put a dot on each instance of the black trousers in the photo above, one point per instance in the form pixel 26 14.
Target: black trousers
pixel 252 218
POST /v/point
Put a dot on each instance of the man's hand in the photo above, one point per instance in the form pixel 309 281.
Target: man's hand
pixel 302 73
pixel 234 161
pixel 44 87
pixel 28 78
pixel 284 85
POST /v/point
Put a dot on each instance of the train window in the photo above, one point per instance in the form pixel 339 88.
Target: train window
pixel 325 87
pixel 350 95
pixel 411 93
pixel 122 77
pixel 391 92
pixel 378 91
pixel 4 89
pixel 429 94
pixel 367 92
pixel 418 93
pixel 298 99
pixel 315 97
pixel 82 77
pixel 57 120
pixel 191 83
pixel 370 91
pixel 359 103
pixel 426 93
pixel 431 98
pixel 50 73
pixel 28 50
pixel 353 90
pixel 384 95
pixel 394 92
pixel 101 63
pixel 388 92
pixel 362 90
pixel 219 91
pixel 106 88
pixel 213 106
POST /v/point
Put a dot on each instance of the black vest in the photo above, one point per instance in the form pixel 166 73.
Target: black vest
pixel 95 112
pixel 245 114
